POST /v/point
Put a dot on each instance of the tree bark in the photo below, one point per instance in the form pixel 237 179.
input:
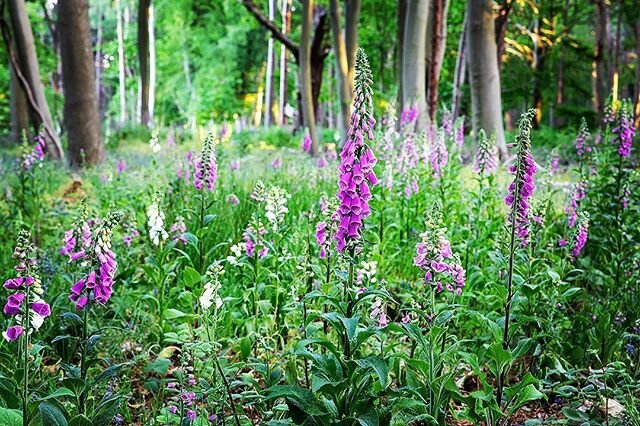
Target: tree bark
pixel 436 42
pixel 600 86
pixel 401 18
pixel 306 90
pixel 484 75
pixel 636 92
pixel 27 66
pixel 461 69
pixel 342 69
pixel 269 98
pixel 19 107
pixel 152 62
pixel 122 81
pixel 286 24
pixel 352 18
pixel 413 61
pixel 78 72
pixel 143 59
pixel 501 21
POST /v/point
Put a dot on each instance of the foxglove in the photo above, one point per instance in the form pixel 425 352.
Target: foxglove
pixel 625 130
pixel 580 236
pixel 206 167
pixel 582 138
pixel 487 155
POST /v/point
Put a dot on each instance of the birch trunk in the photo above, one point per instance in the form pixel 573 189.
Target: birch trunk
pixel 269 98
pixel 307 98
pixel 286 23
pixel 413 61
pixel 143 60
pixel 122 84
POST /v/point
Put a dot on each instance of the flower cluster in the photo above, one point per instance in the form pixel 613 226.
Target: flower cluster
pixel 438 155
pixel 577 195
pixel 378 313
pixel 357 160
pixel 212 285
pixel 178 230
pixel 580 236
pixel 487 156
pixel 78 239
pixel 131 233
pixel 458 136
pixel 155 221
pixel 434 256
pixel 625 130
pixel 276 206
pixel 521 189
pixel 36 155
pixel 367 271
pixel 253 241
pixel 206 167
pixel 408 116
pixel 97 285
pixel 326 229
pixel 25 302
pixel 306 142
pixel 581 140
pixel 182 394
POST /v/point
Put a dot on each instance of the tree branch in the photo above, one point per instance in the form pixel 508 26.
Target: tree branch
pixel 275 32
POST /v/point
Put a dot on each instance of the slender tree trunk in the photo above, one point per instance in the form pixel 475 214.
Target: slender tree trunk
pixel 19 107
pixel 501 21
pixel 615 71
pixel 269 99
pixel 78 72
pixel 600 89
pixel 352 18
pixel 436 42
pixel 636 93
pixel 143 59
pixel 98 58
pixel 318 53
pixel 461 69
pixel 413 61
pixel 539 56
pixel 307 98
pixel 341 68
pixel 286 23
pixel 152 62
pixel 122 80
pixel 28 67
pixel 484 76
pixel 257 114
pixel 401 18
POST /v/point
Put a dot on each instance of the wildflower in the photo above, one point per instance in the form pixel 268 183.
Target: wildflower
pixel 581 140
pixel 234 165
pixel 625 130
pixel 442 269
pixel 178 230
pixel 276 163
pixel 357 160
pixel 25 302
pixel 321 238
pixel 322 162
pixel 458 136
pixel 378 313
pixel 580 236
pixel 259 192
pixel 438 155
pixel 97 285
pixel 153 144
pixel 408 116
pixel 487 155
pixel 210 294
pixel 554 163
pixel 276 206
pixel 522 186
pixel 78 239
pixel 306 142
pixel 155 221
pixel 36 155
pixel 132 232
pixel 121 166
pixel 367 270
pixel 252 238
pixel 233 199
pixel 447 123
pixel 206 168
pixel 577 195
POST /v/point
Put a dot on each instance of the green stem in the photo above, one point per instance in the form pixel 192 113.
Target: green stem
pixel 83 363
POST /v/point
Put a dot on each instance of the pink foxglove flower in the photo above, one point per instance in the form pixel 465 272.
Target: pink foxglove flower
pixel 357 160
pixel 206 167
pixel 580 236
pixel 306 142
pixel 582 138
pixel 487 156
pixel 438 155
pixel 625 130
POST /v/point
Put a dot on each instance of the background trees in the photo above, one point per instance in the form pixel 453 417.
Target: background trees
pixel 212 61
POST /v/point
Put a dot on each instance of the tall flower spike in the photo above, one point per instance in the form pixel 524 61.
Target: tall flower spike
pixel 25 302
pixel 625 130
pixel 582 137
pixel 155 216
pixel 521 189
pixel 487 155
pixel 206 170
pixel 357 160
pixel 580 236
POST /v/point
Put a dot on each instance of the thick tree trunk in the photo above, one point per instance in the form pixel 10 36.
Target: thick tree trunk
pixel 122 80
pixel 539 56
pixel 501 21
pixel 436 42
pixel 78 72
pixel 152 63
pixel 269 98
pixel 143 59
pixel 286 23
pixel 413 61
pixel 306 89
pixel 19 107
pixel 484 76
pixel 98 57
pixel 461 69
pixel 352 18
pixel 600 86
pixel 29 69
pixel 319 52
pixel 342 69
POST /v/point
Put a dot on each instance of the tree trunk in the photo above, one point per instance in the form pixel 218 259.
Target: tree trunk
pixel 436 42
pixel 342 70
pixel 19 108
pixel 352 19
pixel 98 57
pixel 286 23
pixel 306 90
pixel 600 87
pixel 401 18
pixel 78 72
pixel 484 76
pixel 318 53
pixel 461 69
pixel 501 21
pixel 152 63
pixel 636 94
pixel 28 67
pixel 122 82
pixel 269 98
pixel 539 56
pixel 413 61
pixel 143 59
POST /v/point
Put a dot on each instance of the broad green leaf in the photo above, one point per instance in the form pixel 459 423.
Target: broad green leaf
pixel 51 415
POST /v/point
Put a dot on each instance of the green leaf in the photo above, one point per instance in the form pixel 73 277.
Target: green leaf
pixel 170 314
pixel 379 366
pixel 51 415
pixel 190 276
pixel 106 411
pixel 524 395
pixel 303 399
pixel 58 393
pixel 80 420
pixel 10 417
pixel 159 366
